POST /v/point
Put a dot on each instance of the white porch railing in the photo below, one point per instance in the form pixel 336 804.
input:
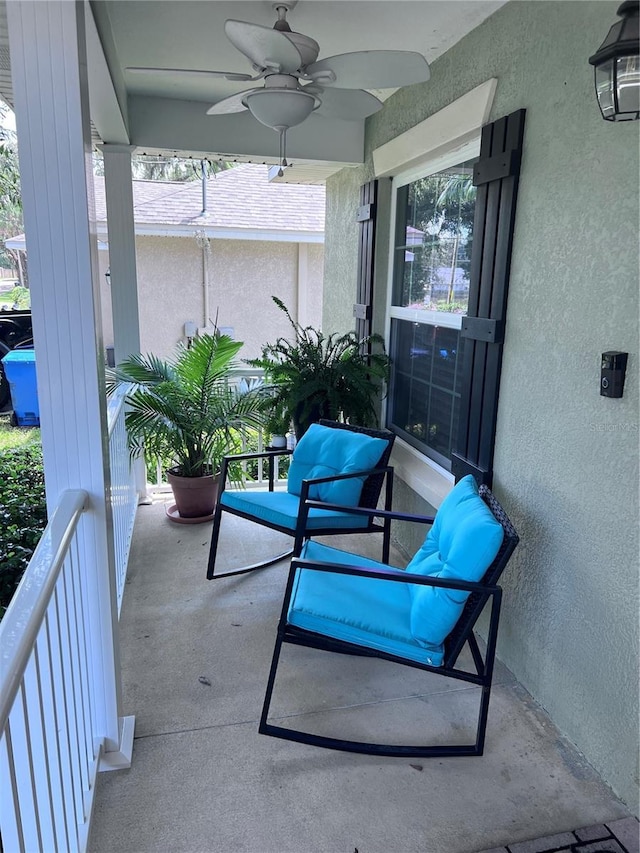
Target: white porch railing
pixel 252 440
pixel 49 753
pixel 124 495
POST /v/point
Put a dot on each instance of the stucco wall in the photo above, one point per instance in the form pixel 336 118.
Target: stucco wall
pixel 243 275
pixel 341 251
pixel 566 463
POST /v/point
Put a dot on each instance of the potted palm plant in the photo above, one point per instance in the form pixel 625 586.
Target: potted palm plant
pixel 188 410
pixel 313 375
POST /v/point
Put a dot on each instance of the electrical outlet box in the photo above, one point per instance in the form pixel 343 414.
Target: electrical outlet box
pixel 206 330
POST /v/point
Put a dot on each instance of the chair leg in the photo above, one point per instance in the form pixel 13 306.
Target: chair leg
pixel 362 747
pixel 386 527
pixel 486 668
pixel 213 550
pixel 386 541
pixel 262 565
pixel 263 725
pixel 215 534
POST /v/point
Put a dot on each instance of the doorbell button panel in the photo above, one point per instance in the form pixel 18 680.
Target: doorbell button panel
pixel 612 372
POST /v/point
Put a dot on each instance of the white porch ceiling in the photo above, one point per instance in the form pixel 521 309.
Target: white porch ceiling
pixel 167 113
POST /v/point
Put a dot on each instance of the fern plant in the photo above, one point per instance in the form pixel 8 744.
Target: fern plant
pixel 187 409
pixel 315 376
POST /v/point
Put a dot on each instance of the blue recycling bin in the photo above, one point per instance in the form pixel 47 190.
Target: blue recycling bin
pixel 20 370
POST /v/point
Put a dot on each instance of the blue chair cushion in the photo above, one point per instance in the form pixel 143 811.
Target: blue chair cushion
pixel 281 509
pixel 364 611
pixel 462 543
pixel 324 452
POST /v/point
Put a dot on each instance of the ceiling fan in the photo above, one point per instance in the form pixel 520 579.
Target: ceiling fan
pixel 297 84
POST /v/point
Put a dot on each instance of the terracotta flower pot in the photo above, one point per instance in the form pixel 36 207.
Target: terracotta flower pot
pixel 195 497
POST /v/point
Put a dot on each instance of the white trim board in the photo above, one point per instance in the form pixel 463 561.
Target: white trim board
pixel 19 244
pixel 224 233
pixel 459 121
pixel 420 473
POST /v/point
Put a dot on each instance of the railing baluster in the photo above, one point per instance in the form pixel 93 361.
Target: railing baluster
pixel 48 752
pixel 49 699
pixel 84 651
pixel 69 694
pixel 124 497
pixel 69 782
pixel 26 781
pixel 40 754
pixel 10 812
pixel 82 689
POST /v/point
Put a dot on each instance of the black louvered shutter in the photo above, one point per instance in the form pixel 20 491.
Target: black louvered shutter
pixel 496 177
pixel 366 217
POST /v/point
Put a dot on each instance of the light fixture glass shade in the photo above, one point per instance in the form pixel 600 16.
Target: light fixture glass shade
pixel 280 108
pixel 617 67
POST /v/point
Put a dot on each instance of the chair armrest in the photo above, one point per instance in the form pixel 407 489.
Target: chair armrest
pixel 393 574
pixel 372 511
pixel 240 457
pixel 353 474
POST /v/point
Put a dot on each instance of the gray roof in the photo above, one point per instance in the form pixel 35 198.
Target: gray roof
pixel 237 198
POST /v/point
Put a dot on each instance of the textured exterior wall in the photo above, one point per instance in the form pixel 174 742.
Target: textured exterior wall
pixel 315 288
pixel 566 461
pixel 243 275
pixel 341 251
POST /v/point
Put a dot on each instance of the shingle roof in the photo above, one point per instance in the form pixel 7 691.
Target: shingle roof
pixel 238 198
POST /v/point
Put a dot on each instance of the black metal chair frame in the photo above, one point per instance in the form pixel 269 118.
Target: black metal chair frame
pixel 486 591
pixel 376 479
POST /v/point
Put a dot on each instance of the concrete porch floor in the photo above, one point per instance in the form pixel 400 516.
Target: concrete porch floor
pixel 195 658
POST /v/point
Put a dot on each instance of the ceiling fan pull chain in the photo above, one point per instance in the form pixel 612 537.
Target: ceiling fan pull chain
pixel 283 150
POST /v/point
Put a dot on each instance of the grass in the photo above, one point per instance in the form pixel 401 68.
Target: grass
pixel 14 437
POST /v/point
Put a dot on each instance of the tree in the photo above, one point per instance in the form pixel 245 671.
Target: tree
pixel 11 222
pixel 439 226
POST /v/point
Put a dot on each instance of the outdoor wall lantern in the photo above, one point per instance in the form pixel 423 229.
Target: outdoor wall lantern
pixel 617 67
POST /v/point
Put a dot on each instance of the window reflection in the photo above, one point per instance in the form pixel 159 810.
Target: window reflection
pixel 433 241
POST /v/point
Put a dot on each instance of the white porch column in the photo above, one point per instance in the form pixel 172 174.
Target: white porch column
pixel 48 63
pixel 122 250
pixel 122 266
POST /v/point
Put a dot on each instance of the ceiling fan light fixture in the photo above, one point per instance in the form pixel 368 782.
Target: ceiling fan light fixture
pixel 280 108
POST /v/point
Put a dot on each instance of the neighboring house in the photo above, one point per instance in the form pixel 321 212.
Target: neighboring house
pixel 252 240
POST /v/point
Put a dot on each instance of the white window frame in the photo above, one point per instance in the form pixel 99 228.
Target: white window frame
pixel 452 136
pixel 413 457
pixel 430 167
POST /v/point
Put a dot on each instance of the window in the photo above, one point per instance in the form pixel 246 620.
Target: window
pixel 433 216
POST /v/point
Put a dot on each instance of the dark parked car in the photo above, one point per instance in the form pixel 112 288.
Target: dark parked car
pixel 15 330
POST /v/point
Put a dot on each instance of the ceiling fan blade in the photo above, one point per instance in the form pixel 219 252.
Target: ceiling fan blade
pixel 265 47
pixel 232 104
pixel 370 69
pixel 192 72
pixel 345 104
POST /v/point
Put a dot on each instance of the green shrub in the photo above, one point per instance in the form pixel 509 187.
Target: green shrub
pixel 19 298
pixel 23 515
